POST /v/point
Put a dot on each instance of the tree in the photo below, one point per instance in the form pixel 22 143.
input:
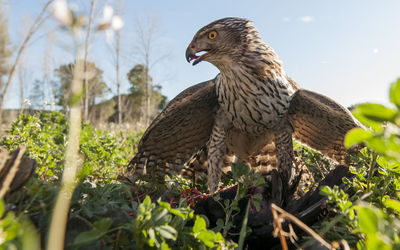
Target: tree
pixel 37 96
pixel 136 77
pixel 35 26
pixel 149 54
pixel 116 53
pixel 5 51
pixel 94 76
pixel 140 79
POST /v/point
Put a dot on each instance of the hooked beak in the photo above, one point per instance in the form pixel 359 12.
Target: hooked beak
pixel 191 54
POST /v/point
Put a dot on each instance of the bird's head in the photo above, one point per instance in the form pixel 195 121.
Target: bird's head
pixel 221 41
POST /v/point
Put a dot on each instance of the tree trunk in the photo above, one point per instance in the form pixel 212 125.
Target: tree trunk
pixel 117 50
pixel 148 89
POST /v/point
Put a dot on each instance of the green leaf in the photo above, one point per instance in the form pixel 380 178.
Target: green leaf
pixel 346 205
pixel 376 126
pixel 199 225
pixel 368 220
pixel 257 200
pixel 167 232
pixel 1 208
pixel 219 237
pixel 164 246
pixel 102 225
pixel 146 200
pixel 160 216
pixel 163 204
pixel 394 166
pixel 12 228
pixel 86 238
pixel 376 112
pixel 30 238
pixel 239 170
pixel 375 242
pixel 378 144
pixel 259 182
pixel 153 240
pixel 394 93
pixel 393 204
pixel 325 190
pixel 207 237
pixel 173 211
pixel 177 212
pixel 356 136
pixel 220 225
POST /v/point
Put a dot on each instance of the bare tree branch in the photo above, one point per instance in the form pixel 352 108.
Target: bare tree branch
pixel 117 53
pixel 147 34
pixel 35 26
pixel 86 83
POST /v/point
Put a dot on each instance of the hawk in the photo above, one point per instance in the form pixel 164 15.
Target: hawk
pixel 249 113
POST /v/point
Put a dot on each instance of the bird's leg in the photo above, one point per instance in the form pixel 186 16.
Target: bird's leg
pixel 217 150
pixel 286 166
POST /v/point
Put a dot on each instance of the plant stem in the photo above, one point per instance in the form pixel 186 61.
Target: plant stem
pixel 244 227
pixel 60 215
pixel 371 170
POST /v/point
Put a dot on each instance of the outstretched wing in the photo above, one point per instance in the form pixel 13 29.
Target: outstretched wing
pixel 178 132
pixel 321 123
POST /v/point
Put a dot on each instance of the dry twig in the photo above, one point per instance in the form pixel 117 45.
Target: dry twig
pixel 281 215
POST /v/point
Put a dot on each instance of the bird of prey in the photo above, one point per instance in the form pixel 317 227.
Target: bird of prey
pixel 249 113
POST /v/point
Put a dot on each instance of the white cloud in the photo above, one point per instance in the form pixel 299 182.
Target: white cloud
pixel 307 19
pixel 286 19
pixel 375 51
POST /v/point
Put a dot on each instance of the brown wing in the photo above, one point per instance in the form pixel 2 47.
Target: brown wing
pixel 178 132
pixel 321 123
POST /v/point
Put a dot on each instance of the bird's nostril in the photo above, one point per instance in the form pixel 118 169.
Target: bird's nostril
pixel 191 46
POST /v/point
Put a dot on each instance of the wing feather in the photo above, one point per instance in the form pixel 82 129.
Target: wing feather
pixel 178 132
pixel 321 123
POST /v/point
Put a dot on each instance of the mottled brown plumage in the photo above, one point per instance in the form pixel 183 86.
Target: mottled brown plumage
pixel 250 110
pixel 179 131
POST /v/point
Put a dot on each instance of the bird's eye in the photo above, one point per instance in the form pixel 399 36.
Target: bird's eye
pixel 212 35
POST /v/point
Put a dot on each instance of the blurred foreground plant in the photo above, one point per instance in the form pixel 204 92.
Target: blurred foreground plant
pixel 17 232
pixel 372 213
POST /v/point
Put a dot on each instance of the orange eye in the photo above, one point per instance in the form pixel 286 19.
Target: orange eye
pixel 212 35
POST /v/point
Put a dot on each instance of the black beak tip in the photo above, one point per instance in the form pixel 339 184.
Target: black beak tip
pixel 188 55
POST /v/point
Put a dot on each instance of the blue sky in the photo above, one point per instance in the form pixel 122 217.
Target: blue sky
pixel 347 50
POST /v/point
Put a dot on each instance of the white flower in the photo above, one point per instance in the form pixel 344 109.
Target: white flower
pixel 108 12
pixel 62 13
pixel 26 102
pixel 117 23
pixel 110 23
